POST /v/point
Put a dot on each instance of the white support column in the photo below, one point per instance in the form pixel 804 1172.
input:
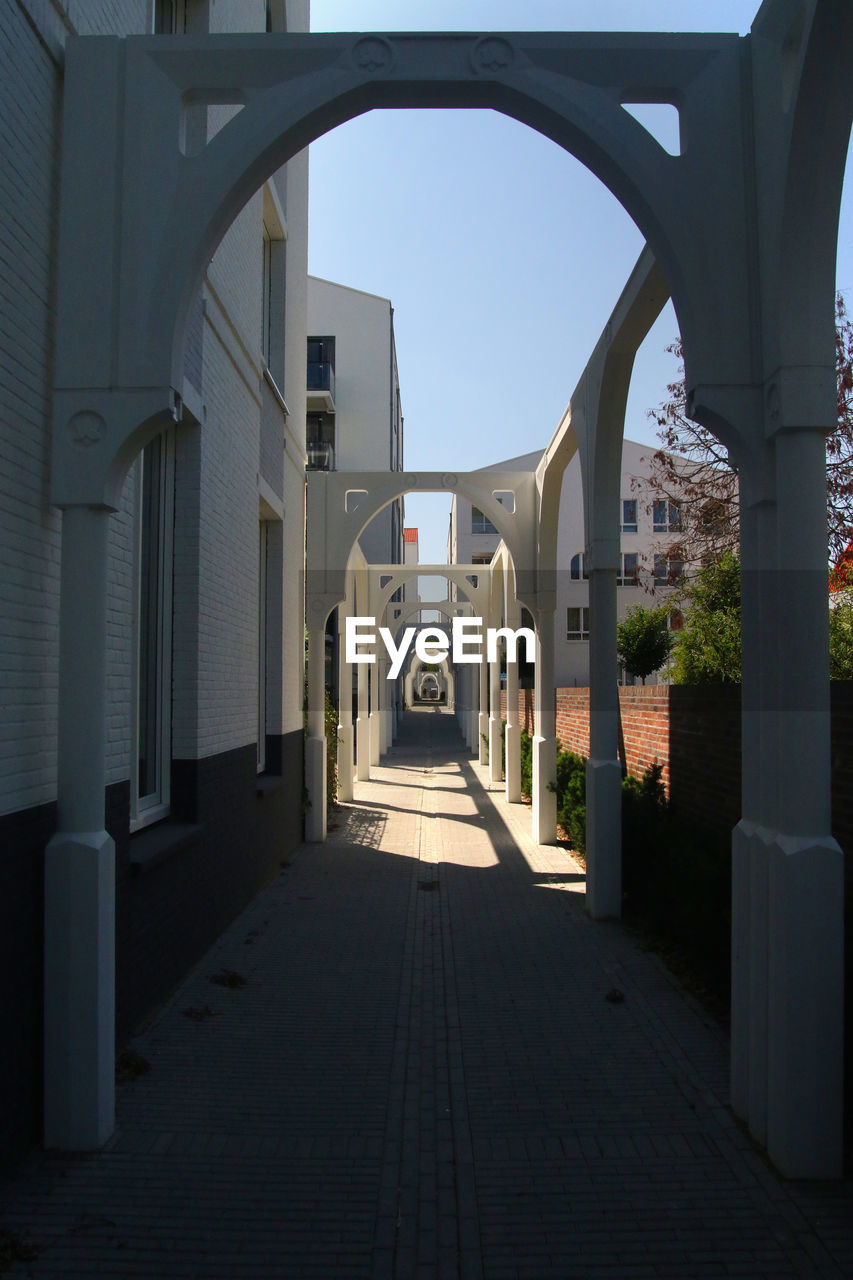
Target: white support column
pixel 805 921
pixel 482 747
pixel 79 919
pixel 362 727
pixel 345 731
pixel 545 739
pixel 752 837
pixel 603 770
pixel 474 714
pixel 387 708
pixel 375 714
pixel 315 745
pixel 495 746
pixel 513 736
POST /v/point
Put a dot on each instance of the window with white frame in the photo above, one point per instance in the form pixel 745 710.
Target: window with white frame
pixel 667 569
pixel 628 575
pixel 629 515
pixel 577 622
pixel 480 522
pixel 577 569
pixel 666 516
pixel 152 667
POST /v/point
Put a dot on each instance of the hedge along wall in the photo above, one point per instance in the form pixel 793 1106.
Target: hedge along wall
pixel 694 732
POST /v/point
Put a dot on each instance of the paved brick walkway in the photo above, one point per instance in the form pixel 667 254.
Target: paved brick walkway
pixel 422 1077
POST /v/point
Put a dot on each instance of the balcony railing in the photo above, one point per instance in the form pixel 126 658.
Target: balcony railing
pixel 321 456
pixel 321 376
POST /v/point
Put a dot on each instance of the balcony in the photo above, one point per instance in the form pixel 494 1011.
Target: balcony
pixel 321 456
pixel 321 386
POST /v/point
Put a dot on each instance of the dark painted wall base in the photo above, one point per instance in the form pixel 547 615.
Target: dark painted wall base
pixel 177 887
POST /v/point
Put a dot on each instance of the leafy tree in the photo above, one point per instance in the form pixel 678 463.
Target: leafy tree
pixel 643 640
pixel 841 638
pixel 708 649
pixel 693 469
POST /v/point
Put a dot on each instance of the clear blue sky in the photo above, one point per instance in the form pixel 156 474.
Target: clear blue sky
pixel 501 254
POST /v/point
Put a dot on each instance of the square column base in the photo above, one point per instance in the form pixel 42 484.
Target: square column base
pixel 805 1006
pixel 79 986
pixel 345 761
pixel 362 750
pixel 513 764
pixel 544 790
pixel 482 738
pixel 604 839
pixel 375 737
pixel 495 751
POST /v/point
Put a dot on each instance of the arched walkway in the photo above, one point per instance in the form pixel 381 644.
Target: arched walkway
pixel 750 270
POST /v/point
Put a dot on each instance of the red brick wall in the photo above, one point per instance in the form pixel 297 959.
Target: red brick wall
pixel 645 727
pixel 694 731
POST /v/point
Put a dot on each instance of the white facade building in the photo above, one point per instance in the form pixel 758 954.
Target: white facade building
pixel 647 574
pixel 355 419
pixel 204 593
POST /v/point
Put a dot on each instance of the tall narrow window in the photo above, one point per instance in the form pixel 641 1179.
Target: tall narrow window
pixel 577 623
pixel 628 576
pixel 170 17
pixel 266 297
pixel 629 515
pixel 153 659
pixel 262 646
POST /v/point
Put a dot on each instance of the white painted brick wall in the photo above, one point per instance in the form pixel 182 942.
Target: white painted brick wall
pixel 228 556
pixel 32 36
pixel 29 531
pixel 215 608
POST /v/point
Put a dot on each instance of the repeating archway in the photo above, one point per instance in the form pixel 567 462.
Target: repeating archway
pixel 748 262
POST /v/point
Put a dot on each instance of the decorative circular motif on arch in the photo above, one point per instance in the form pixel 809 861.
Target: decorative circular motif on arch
pixel 411 480
pixel 86 429
pixel 373 54
pixel 492 53
pixel 449 480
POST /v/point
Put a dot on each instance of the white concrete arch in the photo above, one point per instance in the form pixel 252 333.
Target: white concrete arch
pixel 749 267
pixel 293 88
pixel 341 504
pixel 478 597
pixel 446 669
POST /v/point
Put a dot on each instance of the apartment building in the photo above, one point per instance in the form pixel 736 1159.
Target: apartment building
pixel 354 415
pixel 204 680
pixel 649 571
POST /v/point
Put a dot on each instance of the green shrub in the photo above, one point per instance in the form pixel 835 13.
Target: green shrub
pixel 331 727
pixel 526 763
pixel 571 797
